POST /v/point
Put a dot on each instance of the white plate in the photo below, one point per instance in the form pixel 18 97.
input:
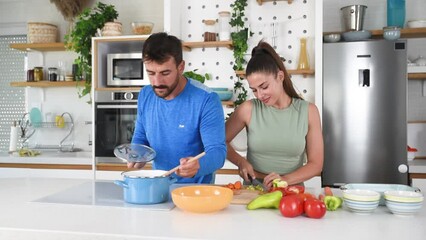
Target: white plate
pixel 403 196
pixel 356 35
pixel 416 23
pixel 361 195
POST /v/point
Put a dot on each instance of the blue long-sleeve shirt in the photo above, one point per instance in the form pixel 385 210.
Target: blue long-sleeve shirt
pixel 185 126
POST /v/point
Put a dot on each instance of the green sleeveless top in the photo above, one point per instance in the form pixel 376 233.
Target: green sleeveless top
pixel 276 138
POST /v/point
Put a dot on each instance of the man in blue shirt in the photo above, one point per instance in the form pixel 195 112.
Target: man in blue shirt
pixel 178 117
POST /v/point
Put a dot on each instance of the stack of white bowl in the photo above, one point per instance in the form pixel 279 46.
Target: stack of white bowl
pixel 403 202
pixel 361 200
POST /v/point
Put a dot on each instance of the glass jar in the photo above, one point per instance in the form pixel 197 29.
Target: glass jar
pixel 224 27
pixel 38 74
pixel 303 56
pixel 30 75
pixel 53 74
pixel 209 30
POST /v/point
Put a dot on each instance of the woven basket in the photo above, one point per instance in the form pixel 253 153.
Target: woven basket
pixel 42 32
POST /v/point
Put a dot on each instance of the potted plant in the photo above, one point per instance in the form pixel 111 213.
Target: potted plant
pixel 79 39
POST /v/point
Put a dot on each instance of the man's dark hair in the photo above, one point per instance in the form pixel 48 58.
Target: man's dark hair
pixel 159 47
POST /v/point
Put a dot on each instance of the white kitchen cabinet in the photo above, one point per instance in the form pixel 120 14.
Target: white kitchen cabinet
pixel 45 173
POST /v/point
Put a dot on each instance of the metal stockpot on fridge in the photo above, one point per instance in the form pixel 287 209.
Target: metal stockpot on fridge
pixel 353 17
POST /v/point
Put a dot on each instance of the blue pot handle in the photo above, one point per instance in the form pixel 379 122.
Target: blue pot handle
pixel 121 184
pixel 172 179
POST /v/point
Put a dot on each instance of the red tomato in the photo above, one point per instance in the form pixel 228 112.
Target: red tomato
pixel 314 208
pixel 305 196
pixel 291 206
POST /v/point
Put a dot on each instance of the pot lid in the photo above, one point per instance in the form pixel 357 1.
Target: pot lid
pixel 131 152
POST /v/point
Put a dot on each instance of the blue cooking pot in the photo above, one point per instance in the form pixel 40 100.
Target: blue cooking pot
pixel 145 186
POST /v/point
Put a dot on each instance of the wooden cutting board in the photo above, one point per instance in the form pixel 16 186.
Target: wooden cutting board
pixel 244 196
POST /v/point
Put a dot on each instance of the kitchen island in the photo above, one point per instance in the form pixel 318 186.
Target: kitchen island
pixel 22 217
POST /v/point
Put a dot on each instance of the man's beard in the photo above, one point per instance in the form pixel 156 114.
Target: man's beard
pixel 166 89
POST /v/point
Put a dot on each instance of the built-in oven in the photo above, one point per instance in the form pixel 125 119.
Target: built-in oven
pixel 115 118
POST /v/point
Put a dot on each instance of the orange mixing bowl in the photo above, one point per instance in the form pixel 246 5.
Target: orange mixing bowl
pixel 202 198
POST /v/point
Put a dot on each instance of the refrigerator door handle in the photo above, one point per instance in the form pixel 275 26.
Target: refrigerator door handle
pixel 365 78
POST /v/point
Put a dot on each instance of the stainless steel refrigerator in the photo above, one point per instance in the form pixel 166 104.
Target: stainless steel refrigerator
pixel 365 112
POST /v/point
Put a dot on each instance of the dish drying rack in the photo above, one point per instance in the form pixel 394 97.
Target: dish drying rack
pixel 28 129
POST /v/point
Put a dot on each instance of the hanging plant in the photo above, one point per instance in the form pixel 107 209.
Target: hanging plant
pixel 239 39
pixel 79 39
pixel 196 76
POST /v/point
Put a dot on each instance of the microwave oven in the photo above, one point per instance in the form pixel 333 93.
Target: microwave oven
pixel 126 70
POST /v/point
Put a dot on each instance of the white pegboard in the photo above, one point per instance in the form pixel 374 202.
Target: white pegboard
pixel 290 21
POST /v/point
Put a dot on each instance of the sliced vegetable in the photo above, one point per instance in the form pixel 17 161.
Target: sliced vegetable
pixel 268 200
pixel 279 183
pixel 295 189
pixel 332 203
pixel 234 186
pixel 238 185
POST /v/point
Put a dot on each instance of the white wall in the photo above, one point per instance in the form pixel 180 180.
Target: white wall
pixel 14 15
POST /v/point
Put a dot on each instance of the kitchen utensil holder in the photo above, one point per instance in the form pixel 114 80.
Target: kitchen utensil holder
pixel 27 134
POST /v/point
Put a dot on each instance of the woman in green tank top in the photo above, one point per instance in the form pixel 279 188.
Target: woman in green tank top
pixel 284 136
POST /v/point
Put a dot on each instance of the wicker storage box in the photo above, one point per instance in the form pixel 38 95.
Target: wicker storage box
pixel 42 32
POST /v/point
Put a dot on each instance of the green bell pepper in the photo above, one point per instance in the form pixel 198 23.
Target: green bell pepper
pixel 268 200
pixel 332 203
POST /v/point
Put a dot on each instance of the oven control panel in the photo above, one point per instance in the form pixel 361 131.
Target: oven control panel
pixel 125 96
pixel 116 96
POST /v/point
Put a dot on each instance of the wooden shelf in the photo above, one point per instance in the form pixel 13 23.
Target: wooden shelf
pixel 417 76
pixel 305 73
pixel 118 89
pixel 260 2
pixel 48 84
pixel 188 46
pixel 57 46
pixel 405 33
pixel 416 121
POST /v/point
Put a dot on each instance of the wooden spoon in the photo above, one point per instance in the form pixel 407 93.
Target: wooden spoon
pixel 176 168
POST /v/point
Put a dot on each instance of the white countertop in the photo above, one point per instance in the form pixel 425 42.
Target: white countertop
pixel 49 157
pixel 72 158
pixel 22 218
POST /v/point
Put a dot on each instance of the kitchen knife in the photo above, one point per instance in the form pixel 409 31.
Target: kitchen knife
pixel 256 182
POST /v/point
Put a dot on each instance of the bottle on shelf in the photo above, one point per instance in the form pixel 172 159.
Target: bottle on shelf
pixel 303 57
pixel 396 13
